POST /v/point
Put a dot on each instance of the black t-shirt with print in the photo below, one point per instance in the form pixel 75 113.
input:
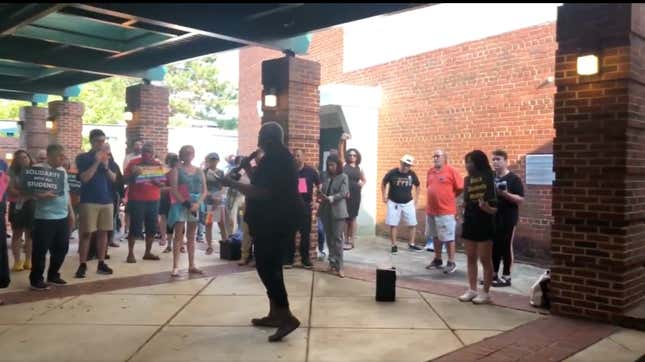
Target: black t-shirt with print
pixel 307 179
pixel 476 187
pixel 507 211
pixel 400 185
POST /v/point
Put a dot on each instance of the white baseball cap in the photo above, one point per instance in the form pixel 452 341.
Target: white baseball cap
pixel 408 159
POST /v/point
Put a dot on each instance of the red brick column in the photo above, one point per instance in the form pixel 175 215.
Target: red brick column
pixel 34 135
pixel 296 82
pixel 68 125
pixel 149 105
pixel 598 235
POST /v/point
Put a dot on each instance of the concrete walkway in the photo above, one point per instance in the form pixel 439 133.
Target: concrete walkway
pixel 375 251
pixel 141 314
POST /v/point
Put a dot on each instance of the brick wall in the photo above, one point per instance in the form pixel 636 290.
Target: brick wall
pixel 250 92
pixel 150 112
pixel 482 94
pixel 34 135
pixel 598 233
pixel 68 125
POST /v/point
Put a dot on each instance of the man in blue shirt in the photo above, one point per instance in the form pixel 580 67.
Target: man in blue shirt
pixel 96 174
pixel 53 220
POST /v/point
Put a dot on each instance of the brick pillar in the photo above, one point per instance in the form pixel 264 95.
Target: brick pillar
pixel 296 82
pixel 150 111
pixel 34 135
pixel 598 236
pixel 68 125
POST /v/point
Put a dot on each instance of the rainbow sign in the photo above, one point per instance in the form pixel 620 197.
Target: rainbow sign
pixel 151 174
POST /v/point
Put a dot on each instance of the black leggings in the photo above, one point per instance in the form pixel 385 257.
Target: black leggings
pixel 269 253
pixel 305 236
pixel 503 248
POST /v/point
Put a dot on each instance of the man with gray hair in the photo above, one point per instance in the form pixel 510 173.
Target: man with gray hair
pixel 443 184
pixel 274 211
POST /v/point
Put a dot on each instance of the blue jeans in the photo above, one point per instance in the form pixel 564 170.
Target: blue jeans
pixel 321 236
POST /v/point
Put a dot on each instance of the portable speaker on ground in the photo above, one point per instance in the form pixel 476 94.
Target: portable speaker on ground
pixel 385 285
pixel 229 250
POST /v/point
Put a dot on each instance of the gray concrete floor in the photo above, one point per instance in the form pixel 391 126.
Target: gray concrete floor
pixel 375 252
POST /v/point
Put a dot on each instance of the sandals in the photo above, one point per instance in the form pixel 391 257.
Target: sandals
pixel 209 250
pixel 175 273
pixel 151 257
pixel 168 250
pixel 194 270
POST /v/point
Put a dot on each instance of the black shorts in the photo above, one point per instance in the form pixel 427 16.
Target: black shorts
pixel 478 227
pixel 23 218
pixel 164 205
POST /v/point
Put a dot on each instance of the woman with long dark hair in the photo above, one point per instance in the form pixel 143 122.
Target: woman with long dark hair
pixel 21 211
pixel 357 180
pixel 478 228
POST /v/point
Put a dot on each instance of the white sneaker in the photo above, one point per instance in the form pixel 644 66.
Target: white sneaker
pixel 482 298
pixel 468 296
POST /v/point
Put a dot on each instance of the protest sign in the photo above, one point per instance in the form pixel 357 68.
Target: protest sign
pixel 150 174
pixel 74 183
pixel 38 180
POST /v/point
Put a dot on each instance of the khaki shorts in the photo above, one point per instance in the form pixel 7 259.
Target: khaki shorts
pixel 96 217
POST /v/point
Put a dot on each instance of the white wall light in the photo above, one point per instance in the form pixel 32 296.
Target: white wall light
pixel 587 65
pixel 49 124
pixel 270 99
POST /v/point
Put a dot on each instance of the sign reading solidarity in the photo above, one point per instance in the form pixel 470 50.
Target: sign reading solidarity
pixel 38 180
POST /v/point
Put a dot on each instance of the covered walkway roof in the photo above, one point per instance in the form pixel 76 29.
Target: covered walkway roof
pixel 49 48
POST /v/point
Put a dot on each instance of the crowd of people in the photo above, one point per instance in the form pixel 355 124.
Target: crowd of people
pixel 257 200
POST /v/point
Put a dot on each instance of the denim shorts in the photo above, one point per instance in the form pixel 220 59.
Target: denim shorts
pixel 143 212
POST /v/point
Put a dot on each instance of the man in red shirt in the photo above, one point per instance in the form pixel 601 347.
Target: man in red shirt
pixel 144 192
pixel 444 184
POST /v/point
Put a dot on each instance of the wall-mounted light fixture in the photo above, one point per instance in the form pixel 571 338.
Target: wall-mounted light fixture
pixel 127 116
pixel 49 124
pixel 587 64
pixel 271 98
pixel 8 156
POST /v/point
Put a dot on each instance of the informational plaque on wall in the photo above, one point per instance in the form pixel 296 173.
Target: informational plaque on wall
pixel 539 169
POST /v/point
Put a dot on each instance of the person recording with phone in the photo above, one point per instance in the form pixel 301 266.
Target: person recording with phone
pixel 510 192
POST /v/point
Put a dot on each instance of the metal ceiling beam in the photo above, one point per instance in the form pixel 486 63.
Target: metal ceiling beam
pixel 241 23
pixel 96 62
pixel 25 14
pixel 16 96
pixel 181 17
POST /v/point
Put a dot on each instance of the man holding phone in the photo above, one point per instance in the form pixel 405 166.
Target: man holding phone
pixel 510 192
pixel 96 173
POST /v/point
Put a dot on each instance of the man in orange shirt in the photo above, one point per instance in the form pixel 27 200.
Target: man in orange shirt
pixel 444 184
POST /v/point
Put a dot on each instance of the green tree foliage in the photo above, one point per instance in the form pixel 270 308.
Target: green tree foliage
pixel 195 94
pixel 10 110
pixel 104 100
pixel 196 91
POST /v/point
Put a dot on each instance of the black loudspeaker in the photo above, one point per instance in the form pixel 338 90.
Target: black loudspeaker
pixel 229 250
pixel 385 285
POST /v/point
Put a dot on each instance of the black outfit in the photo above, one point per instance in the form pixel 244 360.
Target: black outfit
pixel 354 202
pixel 505 220
pixel 478 225
pixel 307 177
pixel 52 236
pixel 5 278
pixel 273 221
pixel 401 184
pixel 22 218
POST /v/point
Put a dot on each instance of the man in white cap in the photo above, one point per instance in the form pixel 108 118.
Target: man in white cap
pixel 396 188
